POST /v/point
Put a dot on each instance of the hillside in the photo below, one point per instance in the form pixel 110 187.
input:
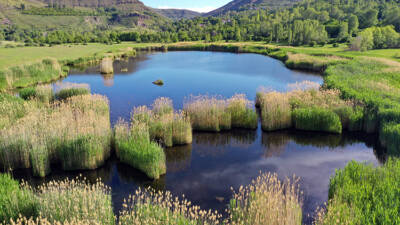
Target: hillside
pixel 78 14
pixel 239 5
pixel 177 14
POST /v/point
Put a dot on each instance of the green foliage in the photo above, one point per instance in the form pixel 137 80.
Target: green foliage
pixel 241 115
pixel 317 119
pixel 15 200
pixel 43 93
pixel 69 92
pixel 364 194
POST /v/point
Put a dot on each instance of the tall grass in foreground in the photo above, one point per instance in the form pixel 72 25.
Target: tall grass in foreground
pixel 151 207
pixel 76 200
pixel 75 133
pixel 14 200
pixel 364 194
pixel 210 113
pixel 63 202
pixel 133 147
pixel 267 200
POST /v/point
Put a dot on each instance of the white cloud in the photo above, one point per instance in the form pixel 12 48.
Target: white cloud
pixel 197 9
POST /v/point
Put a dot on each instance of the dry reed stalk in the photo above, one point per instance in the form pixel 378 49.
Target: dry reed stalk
pixel 267 200
pixel 151 207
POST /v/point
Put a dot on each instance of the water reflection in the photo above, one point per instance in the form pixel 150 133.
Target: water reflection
pixel 178 158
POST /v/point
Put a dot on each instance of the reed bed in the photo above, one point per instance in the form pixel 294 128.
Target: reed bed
pixel 275 111
pixel 310 109
pixel 67 90
pixel 208 113
pixel 133 147
pixel 73 201
pixel 106 66
pixel 151 207
pixel 267 200
pixel 167 127
pixel 43 93
pixel 212 113
pixel 242 115
pixel 75 133
pixel 76 199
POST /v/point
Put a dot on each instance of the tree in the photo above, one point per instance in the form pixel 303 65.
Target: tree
pixel 343 32
pixel 353 25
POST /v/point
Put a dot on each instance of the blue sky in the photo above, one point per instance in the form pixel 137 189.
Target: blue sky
pixel 196 5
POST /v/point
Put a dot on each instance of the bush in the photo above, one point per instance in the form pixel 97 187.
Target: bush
pixel 133 147
pixel 317 119
pixel 364 194
pixel 15 200
pixel 69 92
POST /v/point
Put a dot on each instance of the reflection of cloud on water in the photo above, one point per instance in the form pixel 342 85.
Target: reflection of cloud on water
pixel 313 166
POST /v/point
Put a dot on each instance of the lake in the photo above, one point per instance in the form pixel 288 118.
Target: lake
pixel 206 170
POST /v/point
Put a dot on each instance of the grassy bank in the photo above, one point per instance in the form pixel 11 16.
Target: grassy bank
pixel 364 194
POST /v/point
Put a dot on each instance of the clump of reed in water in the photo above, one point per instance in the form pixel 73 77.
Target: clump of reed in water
pixel 75 132
pixel 267 200
pixel 106 66
pixel 133 147
pixel 310 109
pixel 242 115
pixel 166 126
pixel 211 113
pixel 208 113
pixel 43 93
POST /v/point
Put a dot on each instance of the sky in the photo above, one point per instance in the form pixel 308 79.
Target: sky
pixel 195 5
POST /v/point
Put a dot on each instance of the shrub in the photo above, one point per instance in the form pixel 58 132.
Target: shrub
pixel 133 147
pixel 15 200
pixel 275 111
pixel 242 116
pixel 364 194
pixel 267 200
pixel 151 207
pixel 76 200
pixel 317 119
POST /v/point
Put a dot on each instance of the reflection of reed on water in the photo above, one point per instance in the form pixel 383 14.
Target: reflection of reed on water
pixel 108 79
pixel 274 142
pixel 178 158
pixel 129 174
pixel 221 139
